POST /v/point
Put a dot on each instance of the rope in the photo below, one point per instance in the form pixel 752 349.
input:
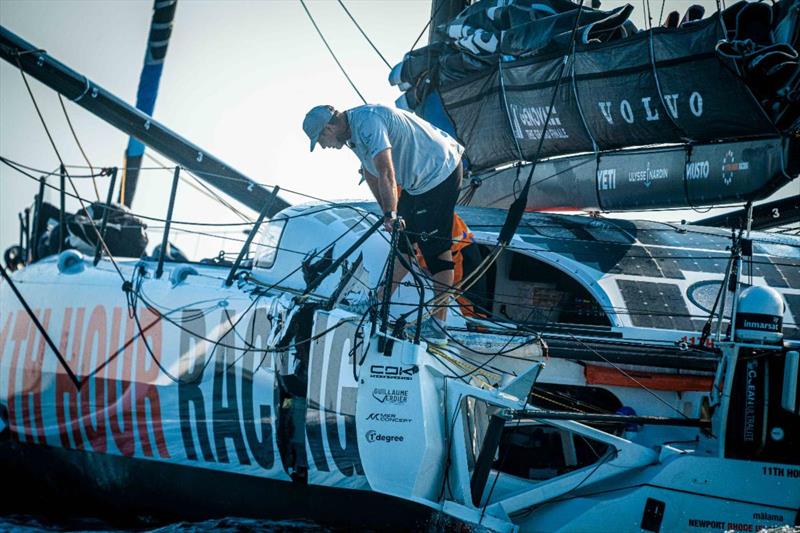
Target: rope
pixel 427 25
pixel 71 182
pixel 80 147
pixel 201 187
pixel 333 55
pixel 365 35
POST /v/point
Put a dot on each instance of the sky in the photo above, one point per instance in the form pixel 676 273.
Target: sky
pixel 238 79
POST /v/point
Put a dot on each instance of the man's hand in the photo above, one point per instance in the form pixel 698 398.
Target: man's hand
pixel 388 223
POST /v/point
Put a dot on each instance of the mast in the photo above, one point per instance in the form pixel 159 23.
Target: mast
pixel 128 119
pixel 156 52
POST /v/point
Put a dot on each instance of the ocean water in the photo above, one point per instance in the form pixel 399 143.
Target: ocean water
pixel 30 524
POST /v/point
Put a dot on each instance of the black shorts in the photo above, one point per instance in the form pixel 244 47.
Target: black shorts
pixel 429 216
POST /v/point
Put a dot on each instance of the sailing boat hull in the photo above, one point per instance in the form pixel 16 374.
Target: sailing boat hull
pixel 128 490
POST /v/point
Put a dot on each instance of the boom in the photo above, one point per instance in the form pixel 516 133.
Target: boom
pixel 128 119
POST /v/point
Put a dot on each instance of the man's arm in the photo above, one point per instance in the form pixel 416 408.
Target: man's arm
pixel 372 183
pixel 384 188
pixel 384 185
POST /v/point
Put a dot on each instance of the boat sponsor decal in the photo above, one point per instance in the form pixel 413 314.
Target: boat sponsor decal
pixel 373 436
pixel 707 524
pixel 648 175
pixel 760 322
pixel 403 372
pixel 387 417
pixel 529 121
pixel 118 406
pixel 750 401
pixel 686 342
pixel 606 179
pixel 697 170
pixel 730 167
pixel 648 109
pixel 780 471
pixel 330 417
pixel 723 525
pixel 390 396
pixel 225 411
pixel 187 388
pixel 763 515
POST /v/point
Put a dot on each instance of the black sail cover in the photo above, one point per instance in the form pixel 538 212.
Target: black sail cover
pixel 655 87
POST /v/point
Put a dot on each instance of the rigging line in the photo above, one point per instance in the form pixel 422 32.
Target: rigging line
pixel 71 182
pixel 235 239
pixel 513 430
pixel 648 23
pixel 124 346
pixel 610 454
pixel 626 374
pixel 325 42
pixel 284 189
pixel 661 14
pixel 427 25
pixel 77 382
pixel 415 262
pixel 38 111
pixel 208 191
pixel 112 208
pixel 362 212
pixel 80 146
pixel 103 171
pixel 218 342
pixel 364 34
pixel 565 60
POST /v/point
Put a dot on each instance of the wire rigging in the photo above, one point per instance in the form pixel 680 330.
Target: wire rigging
pixel 333 55
pixel 661 13
pixel 201 187
pixel 80 146
pixel 364 34
pixel 427 25
pixel 69 178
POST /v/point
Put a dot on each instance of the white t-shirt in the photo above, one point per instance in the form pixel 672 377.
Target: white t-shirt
pixel 423 155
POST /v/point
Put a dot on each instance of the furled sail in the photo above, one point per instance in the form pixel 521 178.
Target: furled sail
pixel 157 42
pixel 727 78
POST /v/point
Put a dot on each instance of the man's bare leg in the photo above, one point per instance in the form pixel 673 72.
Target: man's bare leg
pixel 443 281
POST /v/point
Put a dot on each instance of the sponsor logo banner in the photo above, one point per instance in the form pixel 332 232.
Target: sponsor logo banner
pixel 387 417
pixel 373 436
pixel 402 372
pixel 390 396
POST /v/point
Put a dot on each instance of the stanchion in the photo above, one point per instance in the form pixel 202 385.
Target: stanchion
pixel 251 235
pixel 165 239
pixel 62 226
pixel 98 252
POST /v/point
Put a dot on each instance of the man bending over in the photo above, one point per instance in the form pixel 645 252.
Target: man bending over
pixel 399 148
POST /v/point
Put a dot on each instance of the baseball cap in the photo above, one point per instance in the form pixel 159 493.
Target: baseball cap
pixel 315 122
